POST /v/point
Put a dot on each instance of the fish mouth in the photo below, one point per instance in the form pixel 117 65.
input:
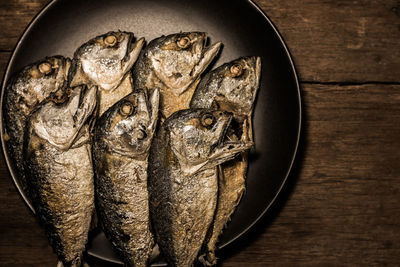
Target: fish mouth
pixel 130 45
pixel 225 148
pixel 228 150
pixel 258 67
pixel 208 54
pixel 254 63
pixel 66 66
pixel 221 139
pixel 61 73
pixel 59 64
pixel 132 49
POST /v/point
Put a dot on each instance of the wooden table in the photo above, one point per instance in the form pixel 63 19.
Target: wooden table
pixel 341 205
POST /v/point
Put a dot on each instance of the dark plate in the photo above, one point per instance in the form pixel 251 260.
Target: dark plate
pixel 243 28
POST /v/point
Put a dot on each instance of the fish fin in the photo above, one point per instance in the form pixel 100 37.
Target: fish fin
pixel 137 49
pixel 209 54
pixel 154 100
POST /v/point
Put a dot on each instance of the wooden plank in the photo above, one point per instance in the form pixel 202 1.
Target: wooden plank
pixel 343 199
pixel 22 241
pixel 15 16
pixel 353 41
pixel 4 57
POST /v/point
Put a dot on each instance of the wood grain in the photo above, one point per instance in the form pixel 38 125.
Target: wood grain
pixel 343 200
pixel 15 16
pixel 335 41
pixel 341 205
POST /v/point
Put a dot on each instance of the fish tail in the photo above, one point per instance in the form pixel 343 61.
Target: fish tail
pixel 77 262
pixel 208 258
pixel 155 253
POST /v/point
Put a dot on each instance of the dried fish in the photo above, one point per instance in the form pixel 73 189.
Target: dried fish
pixel 183 184
pixel 122 139
pixel 57 156
pixel 231 87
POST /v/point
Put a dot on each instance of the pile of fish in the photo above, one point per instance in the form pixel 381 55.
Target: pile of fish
pixel 136 138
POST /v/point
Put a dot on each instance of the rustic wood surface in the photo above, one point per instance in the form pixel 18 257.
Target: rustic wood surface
pixel 341 205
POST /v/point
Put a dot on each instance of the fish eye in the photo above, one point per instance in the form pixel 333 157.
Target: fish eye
pixel 236 70
pixel 183 42
pixel 141 134
pixel 126 109
pixel 45 68
pixel 110 40
pixel 207 120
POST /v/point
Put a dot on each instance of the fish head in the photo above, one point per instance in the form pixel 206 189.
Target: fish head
pixel 40 81
pixel 60 124
pixel 197 139
pixel 131 123
pixel 179 59
pixel 105 59
pixel 236 84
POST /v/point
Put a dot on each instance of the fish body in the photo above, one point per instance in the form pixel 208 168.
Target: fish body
pixel 174 63
pixel 106 61
pixel 36 83
pixel 57 156
pixel 183 183
pixel 121 146
pixel 231 87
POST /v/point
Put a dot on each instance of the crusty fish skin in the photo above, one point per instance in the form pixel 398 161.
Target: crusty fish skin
pixel 122 138
pixel 231 87
pixel 106 61
pixel 59 169
pixel 183 184
pixel 174 63
pixel 30 87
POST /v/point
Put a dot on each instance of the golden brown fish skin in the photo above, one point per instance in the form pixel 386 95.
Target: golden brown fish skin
pixel 36 83
pixel 106 61
pixel 122 139
pixel 174 64
pixel 63 199
pixel 183 183
pixel 57 156
pixel 231 87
